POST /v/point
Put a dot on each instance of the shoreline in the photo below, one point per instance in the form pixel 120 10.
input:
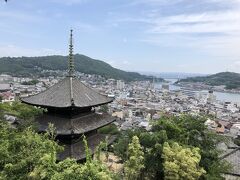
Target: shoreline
pixel 211 88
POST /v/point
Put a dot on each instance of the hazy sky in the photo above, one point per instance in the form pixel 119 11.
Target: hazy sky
pixel 201 36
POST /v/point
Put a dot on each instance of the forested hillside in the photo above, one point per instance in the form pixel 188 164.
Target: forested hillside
pixel 231 80
pixel 84 64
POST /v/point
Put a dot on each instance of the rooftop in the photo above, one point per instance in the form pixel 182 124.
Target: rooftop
pixel 69 92
pixel 77 125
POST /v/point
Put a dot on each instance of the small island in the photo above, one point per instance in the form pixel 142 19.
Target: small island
pixel 223 82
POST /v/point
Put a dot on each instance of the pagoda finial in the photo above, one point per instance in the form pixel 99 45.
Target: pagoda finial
pixel 70 57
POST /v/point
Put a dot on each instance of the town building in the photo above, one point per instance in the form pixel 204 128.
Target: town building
pixel 120 84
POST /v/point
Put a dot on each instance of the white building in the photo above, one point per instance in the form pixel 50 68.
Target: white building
pixel 235 129
pixel 120 84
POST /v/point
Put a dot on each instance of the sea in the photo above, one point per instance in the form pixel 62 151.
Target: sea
pixel 221 96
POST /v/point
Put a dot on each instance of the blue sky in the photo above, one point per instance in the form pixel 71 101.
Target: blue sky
pixel 196 36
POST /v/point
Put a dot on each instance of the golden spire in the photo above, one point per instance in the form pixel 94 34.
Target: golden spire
pixel 70 57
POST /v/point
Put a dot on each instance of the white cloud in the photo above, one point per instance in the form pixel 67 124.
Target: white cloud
pixel 69 2
pixel 209 22
pixel 235 67
pixel 213 31
pixel 84 27
pixel 154 2
pixel 126 62
pixel 15 51
pixel 173 2
pixel 20 16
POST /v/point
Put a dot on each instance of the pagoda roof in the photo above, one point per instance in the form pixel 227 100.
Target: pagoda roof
pixel 69 92
pixel 77 125
pixel 77 150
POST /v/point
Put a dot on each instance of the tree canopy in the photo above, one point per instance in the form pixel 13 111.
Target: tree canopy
pixel 180 147
pixel 231 80
pixel 135 161
pixel 25 154
pixel 187 131
pixel 27 66
pixel 181 163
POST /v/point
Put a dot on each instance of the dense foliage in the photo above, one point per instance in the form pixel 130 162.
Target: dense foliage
pixel 237 140
pixel 28 155
pixel 32 82
pixel 187 131
pixel 33 65
pixel 135 161
pixel 25 154
pixel 21 151
pixel 109 129
pixel 176 148
pixel 24 114
pixel 47 168
pixel 229 79
pixel 181 163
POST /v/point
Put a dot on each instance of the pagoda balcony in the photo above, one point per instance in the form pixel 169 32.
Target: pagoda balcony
pixel 76 149
pixel 77 125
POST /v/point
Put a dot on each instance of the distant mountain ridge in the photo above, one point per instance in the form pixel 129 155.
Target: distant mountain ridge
pixel 230 80
pixel 33 65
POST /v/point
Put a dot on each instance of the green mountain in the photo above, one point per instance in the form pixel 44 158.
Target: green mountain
pixel 26 66
pixel 231 80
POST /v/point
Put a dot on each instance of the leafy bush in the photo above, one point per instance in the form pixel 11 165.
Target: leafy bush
pixel 109 129
pixel 187 131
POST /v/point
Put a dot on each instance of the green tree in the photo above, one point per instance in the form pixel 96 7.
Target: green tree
pixel 191 131
pixel 186 130
pixel 109 129
pixel 29 155
pixel 181 163
pixel 19 110
pixel 23 112
pixel 237 140
pixel 135 162
pixel 25 154
pixel 33 66
pixel 20 151
pixel 104 108
pixel 47 168
pixel 32 82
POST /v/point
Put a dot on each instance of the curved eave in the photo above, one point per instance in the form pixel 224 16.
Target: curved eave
pixel 70 106
pixel 74 126
pixel 80 133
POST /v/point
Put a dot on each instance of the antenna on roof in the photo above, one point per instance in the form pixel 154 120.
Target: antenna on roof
pixel 70 57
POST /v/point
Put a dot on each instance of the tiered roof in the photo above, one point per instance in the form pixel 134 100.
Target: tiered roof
pixel 69 103
pixel 78 125
pixel 69 92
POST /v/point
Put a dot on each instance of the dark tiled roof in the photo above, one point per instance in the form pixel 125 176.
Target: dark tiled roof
pixel 234 158
pixel 77 149
pixel 4 87
pixel 70 92
pixel 77 125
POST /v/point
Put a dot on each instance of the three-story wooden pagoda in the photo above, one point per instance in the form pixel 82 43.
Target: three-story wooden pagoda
pixel 70 108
